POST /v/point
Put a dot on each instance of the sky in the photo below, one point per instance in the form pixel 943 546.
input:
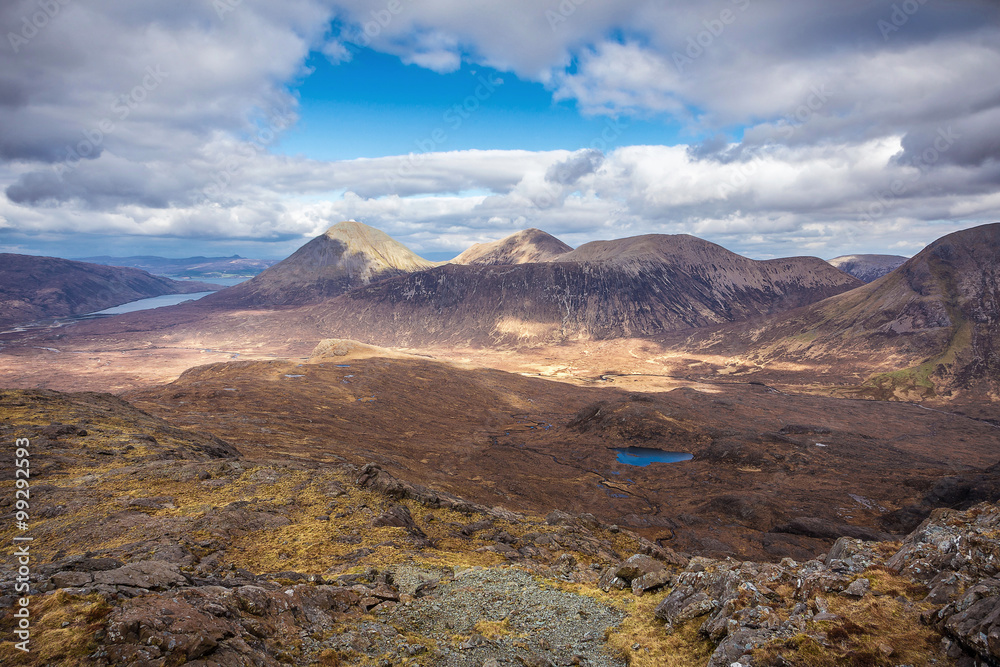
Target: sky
pixel 217 127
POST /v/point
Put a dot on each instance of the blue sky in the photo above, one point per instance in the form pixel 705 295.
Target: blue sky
pixel 613 119
pixel 345 115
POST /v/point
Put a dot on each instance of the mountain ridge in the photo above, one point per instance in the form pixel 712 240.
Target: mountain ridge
pixel 928 328
pixel 617 292
pixel 868 268
pixel 347 255
pixel 34 287
pixel 523 247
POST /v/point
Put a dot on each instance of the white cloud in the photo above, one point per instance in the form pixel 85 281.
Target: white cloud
pixel 173 108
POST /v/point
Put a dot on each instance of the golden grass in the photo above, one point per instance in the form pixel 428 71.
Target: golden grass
pixel 878 630
pixel 62 630
pixel 495 629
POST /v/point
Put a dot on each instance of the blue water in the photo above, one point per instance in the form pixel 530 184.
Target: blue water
pixel 152 302
pixel 228 282
pixel 643 456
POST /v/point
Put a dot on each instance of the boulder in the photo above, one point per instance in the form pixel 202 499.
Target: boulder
pixel 149 574
pixel 399 516
pixel 858 588
pixel 650 581
pixel 70 579
pixel 683 604
pixel 637 566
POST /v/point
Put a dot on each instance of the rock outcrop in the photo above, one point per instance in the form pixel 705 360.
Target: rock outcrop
pixel 754 612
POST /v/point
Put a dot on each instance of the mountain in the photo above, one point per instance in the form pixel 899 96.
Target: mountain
pixel 933 324
pixel 611 289
pixel 526 246
pixel 348 255
pixel 34 288
pixel 201 267
pixel 868 268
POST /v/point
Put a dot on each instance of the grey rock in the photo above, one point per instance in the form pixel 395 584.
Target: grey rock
pixel 70 579
pixel 650 581
pixel 858 588
pixel 149 574
pixel 637 566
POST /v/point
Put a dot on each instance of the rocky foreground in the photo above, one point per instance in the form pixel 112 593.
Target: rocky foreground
pixel 159 546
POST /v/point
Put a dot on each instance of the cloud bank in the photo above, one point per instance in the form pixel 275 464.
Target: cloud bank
pixel 832 127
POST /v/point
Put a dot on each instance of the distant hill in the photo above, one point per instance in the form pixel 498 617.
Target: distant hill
pixel 868 268
pixel 936 319
pixel 633 287
pixel 195 267
pixel 34 288
pixel 526 246
pixel 348 255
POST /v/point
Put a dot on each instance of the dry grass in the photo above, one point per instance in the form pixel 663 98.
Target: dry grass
pixel 62 630
pixel 880 630
pixel 495 629
pixel 656 647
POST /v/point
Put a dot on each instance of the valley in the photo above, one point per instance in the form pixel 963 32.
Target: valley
pixel 517 382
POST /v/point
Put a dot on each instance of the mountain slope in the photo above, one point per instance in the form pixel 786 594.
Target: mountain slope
pixel 632 287
pixel 201 267
pixel 34 288
pixel 937 318
pixel 349 254
pixel 868 268
pixel 526 246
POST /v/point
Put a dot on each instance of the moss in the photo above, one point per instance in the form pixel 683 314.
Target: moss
pixel 920 379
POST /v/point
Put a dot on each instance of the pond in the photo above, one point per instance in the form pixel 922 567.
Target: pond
pixel 643 456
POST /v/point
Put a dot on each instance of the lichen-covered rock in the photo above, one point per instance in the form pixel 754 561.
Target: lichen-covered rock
pixel 637 566
pixel 149 574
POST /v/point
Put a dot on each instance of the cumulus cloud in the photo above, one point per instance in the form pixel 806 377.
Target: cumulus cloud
pixel 575 167
pixel 813 126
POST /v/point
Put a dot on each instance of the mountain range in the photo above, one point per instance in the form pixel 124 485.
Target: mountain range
pixel 867 268
pixel 930 327
pixel 581 295
pixel 924 330
pixel 34 288
pixel 189 267
pixel 529 288
pixel 249 482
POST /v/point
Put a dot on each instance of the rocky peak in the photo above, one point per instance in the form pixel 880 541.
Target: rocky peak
pixel 524 247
